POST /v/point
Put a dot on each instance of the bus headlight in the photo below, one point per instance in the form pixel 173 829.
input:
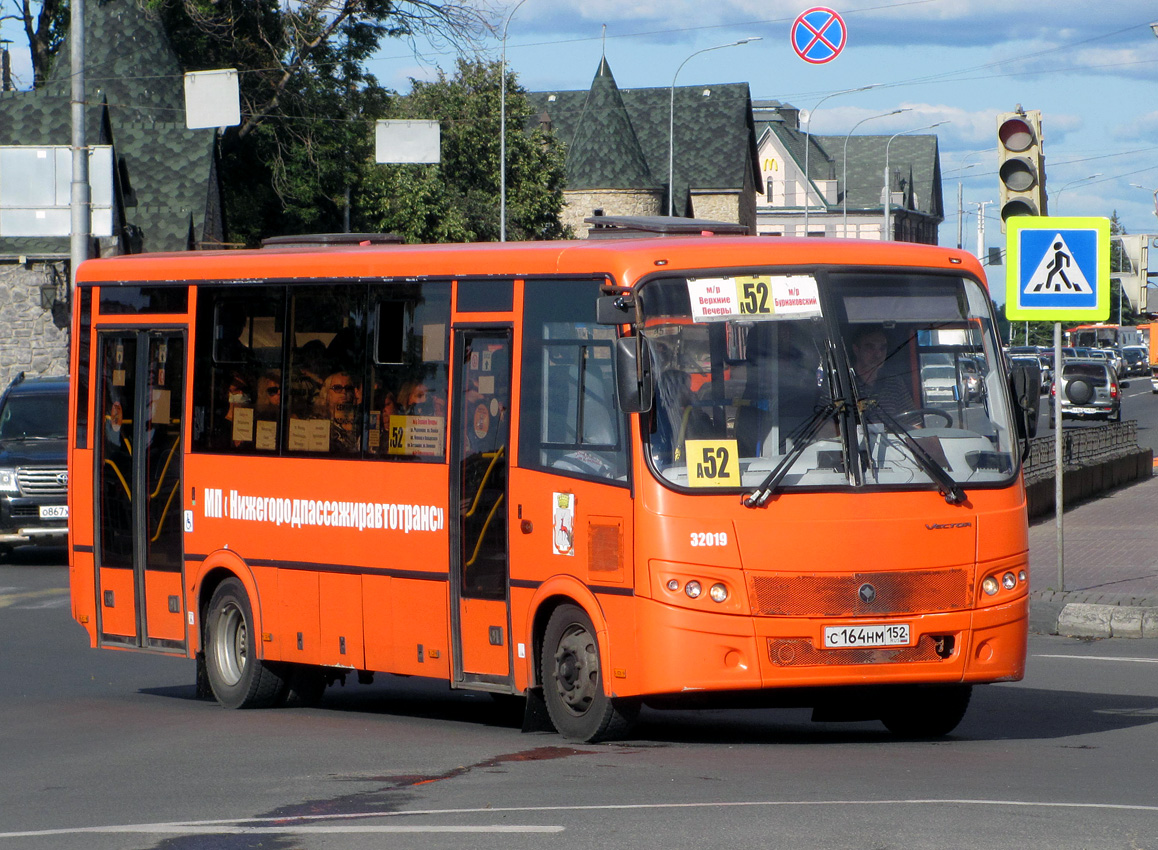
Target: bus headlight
pixel 989 586
pixel 1009 581
pixel 693 589
pixel 718 592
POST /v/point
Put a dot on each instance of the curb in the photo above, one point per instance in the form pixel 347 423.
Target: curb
pixel 1051 615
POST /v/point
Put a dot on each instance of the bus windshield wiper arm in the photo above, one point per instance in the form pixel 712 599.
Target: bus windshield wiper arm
pixel 801 438
pixel 949 488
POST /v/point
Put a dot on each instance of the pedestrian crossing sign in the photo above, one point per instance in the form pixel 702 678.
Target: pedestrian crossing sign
pixel 1057 269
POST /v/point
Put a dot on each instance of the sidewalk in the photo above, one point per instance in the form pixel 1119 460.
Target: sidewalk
pixel 1111 566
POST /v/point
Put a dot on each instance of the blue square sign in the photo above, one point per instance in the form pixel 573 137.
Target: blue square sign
pixel 1057 268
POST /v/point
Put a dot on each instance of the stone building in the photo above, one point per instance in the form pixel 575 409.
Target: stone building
pixel 165 192
pixel 618 152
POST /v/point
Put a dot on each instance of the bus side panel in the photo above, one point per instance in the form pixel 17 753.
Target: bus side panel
pixel 297 633
pixel 118 602
pixel 82 573
pixel 341 620
pixel 578 528
pixel 162 594
pixel 421 629
pixel 82 588
pixel 378 621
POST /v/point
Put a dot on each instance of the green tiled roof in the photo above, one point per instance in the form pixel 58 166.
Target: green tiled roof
pixel 914 166
pixel 604 152
pixel 135 94
pixel 714 139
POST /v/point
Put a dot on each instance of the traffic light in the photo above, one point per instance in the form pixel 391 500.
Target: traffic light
pixel 1021 169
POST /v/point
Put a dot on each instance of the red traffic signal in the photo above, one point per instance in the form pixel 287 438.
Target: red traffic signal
pixel 1021 173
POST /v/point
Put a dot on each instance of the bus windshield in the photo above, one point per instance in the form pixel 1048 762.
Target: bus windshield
pixel 862 379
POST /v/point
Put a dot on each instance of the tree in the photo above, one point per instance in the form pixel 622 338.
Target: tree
pixel 458 199
pixel 307 102
pixel 45 29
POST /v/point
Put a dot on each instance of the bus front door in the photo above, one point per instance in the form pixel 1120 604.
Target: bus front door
pixel 480 454
pixel 139 506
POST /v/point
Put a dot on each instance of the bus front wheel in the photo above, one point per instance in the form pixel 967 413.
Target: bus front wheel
pixel 573 681
pixel 925 712
pixel 239 678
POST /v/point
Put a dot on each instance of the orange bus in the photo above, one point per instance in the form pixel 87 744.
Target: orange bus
pixel 592 474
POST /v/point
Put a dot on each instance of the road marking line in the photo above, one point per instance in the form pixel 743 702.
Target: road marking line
pixel 228 829
pixel 1103 658
pixel 289 825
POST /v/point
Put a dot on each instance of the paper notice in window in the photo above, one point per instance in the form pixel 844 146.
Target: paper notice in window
pixel 298 435
pixel 319 435
pixel 242 424
pixel 266 436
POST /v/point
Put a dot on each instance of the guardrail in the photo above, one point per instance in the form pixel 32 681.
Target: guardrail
pixel 1094 460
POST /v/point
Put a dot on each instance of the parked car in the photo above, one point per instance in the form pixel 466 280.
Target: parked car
pixel 1089 389
pixel 33 462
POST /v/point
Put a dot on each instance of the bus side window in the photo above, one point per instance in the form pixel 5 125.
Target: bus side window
pixel 570 423
pixel 327 365
pixel 237 361
pixel 410 345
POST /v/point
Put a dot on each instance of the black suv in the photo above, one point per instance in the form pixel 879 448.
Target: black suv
pixel 33 462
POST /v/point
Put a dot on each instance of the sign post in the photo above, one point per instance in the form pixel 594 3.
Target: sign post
pixel 1058 269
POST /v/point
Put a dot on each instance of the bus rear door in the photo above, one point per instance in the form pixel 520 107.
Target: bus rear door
pixel 139 511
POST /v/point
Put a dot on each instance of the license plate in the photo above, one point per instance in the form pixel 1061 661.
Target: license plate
pixel 845 637
pixel 54 511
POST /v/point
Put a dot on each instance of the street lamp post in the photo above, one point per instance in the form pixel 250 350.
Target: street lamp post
pixel 844 176
pixel 888 194
pixel 1147 188
pixel 503 129
pixel 671 119
pixel 1057 197
pixel 807 128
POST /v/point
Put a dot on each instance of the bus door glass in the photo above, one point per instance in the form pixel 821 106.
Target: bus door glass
pixel 480 458
pixel 140 506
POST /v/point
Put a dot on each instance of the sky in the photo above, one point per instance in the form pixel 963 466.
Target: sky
pixel 1090 68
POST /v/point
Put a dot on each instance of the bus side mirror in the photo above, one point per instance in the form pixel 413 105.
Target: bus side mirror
pixel 633 381
pixel 614 310
pixel 1025 387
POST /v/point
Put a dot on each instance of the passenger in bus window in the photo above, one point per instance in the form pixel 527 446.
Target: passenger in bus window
pixel 310 368
pixel 267 405
pixel 238 421
pixel 231 323
pixel 340 392
pixel 870 351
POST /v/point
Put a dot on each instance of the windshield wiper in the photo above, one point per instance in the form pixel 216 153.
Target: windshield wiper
pixel 948 488
pixel 801 438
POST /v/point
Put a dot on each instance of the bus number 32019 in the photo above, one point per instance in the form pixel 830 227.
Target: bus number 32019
pixel 709 538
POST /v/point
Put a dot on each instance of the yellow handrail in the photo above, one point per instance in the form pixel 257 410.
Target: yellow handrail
pixel 494 456
pixel 483 533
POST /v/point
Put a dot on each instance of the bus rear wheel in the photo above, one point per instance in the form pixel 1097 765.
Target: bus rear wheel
pixel 239 678
pixel 573 681
pixel 925 712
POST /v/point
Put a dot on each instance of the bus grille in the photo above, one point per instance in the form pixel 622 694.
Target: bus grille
pixel 908 592
pixel 801 653
pixel 42 480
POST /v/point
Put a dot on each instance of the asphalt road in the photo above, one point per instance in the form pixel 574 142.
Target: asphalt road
pixel 104 750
